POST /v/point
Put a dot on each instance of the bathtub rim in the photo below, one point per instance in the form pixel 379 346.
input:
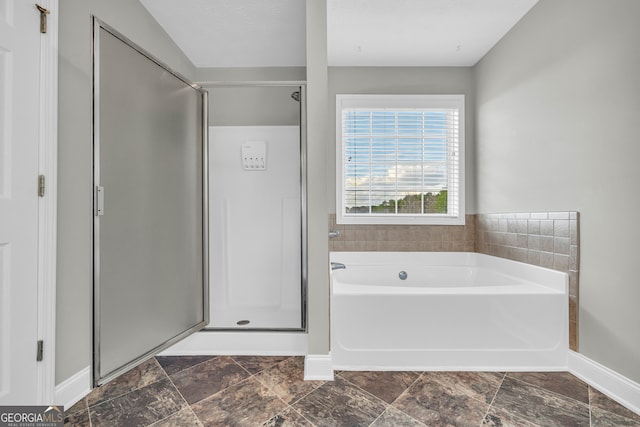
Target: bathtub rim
pixel 555 280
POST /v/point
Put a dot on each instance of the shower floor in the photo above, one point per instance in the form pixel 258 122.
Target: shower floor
pixel 260 318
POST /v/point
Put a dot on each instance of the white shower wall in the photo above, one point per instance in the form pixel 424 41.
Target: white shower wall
pixel 255 229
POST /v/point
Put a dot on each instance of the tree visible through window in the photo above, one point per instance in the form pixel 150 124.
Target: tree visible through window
pixel 401 162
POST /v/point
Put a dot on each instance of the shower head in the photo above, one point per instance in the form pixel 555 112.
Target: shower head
pixel 296 95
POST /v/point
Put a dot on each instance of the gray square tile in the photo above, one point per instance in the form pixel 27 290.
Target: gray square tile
pixel 288 418
pixel 539 406
pixel 600 418
pixel 255 364
pixel 142 375
pixel 546 243
pixel 286 380
pixel 561 228
pixel 175 364
pixel 561 245
pixel 500 418
pixel 77 419
pixel 205 379
pixel 392 417
pixel 340 403
pixel 450 398
pixel 602 402
pixel 183 418
pixel 558 382
pixel 558 215
pixel 248 403
pixel 546 228
pixel 387 385
pixel 140 407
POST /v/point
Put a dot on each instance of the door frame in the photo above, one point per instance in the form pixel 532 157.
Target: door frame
pixel 47 205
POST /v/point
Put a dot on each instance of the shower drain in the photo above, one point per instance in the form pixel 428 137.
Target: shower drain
pixel 243 322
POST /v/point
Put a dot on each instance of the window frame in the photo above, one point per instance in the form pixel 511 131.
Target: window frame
pixel 399 102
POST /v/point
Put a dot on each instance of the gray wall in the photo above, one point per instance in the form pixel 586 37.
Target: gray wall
pixel 317 161
pixel 256 74
pixel 74 268
pixel 252 105
pixel 404 80
pixel 558 104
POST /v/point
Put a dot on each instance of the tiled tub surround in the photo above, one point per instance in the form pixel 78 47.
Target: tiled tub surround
pixel 546 239
pixel 404 238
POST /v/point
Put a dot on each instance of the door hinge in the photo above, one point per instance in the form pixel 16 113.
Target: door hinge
pixel 40 351
pixel 41 186
pixel 43 18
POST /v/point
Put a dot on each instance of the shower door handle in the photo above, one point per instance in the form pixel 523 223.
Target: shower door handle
pixel 99 200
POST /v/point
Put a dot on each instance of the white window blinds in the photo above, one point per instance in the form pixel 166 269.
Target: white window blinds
pixel 400 163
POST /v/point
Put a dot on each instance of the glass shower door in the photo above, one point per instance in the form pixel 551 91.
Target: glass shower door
pixel 150 219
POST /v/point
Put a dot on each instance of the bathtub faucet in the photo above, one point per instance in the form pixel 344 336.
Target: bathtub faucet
pixel 337 266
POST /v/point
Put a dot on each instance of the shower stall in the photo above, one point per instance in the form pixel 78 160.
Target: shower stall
pixel 199 212
pixel 256 206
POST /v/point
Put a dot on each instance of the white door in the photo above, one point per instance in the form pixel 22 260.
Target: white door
pixel 19 119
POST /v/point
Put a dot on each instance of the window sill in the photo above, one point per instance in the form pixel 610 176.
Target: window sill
pixel 400 220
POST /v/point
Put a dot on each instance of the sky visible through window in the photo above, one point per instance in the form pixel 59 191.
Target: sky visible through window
pixel 390 154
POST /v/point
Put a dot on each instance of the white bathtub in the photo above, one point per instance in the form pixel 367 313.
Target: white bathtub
pixel 454 311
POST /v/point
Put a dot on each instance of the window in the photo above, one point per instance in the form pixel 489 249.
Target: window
pixel 400 159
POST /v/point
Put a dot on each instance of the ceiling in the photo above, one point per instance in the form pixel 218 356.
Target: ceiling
pixel 235 33
pixel 271 33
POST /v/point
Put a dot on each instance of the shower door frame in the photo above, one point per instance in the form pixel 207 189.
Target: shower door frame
pixel 301 86
pixel 98 378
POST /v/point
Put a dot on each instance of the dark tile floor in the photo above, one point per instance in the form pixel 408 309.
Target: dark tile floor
pixel 270 391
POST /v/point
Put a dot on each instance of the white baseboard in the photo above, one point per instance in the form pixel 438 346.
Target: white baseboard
pixel 71 390
pixel 240 343
pixel 318 367
pixel 616 386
